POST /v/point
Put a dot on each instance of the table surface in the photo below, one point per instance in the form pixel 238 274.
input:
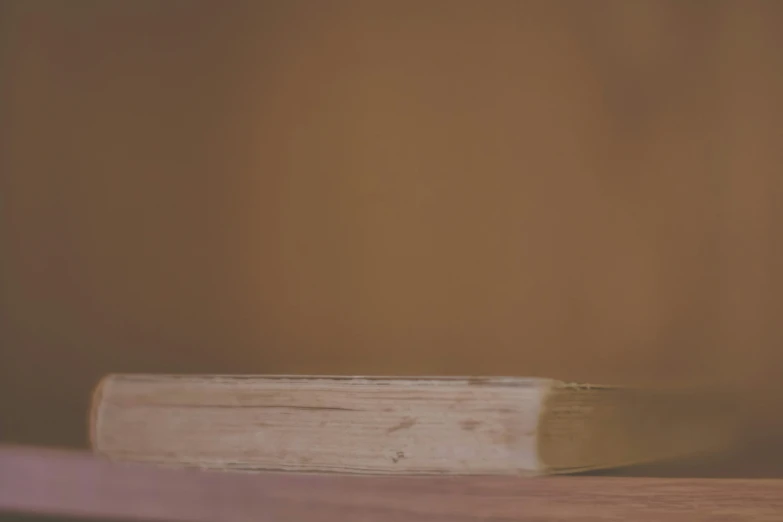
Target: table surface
pixel 64 483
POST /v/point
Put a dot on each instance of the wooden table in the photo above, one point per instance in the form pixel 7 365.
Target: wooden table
pixel 75 484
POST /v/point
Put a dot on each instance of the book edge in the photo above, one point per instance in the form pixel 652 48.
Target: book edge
pixel 96 403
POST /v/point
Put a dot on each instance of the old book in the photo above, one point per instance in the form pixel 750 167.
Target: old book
pixel 394 425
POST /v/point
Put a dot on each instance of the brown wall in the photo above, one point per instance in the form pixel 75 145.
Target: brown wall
pixel 580 190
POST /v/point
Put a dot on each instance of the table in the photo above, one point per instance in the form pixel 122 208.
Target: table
pixel 75 484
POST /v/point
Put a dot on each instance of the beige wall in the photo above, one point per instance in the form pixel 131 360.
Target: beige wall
pixel 586 191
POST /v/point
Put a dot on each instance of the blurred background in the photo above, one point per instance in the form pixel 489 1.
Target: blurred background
pixel 579 190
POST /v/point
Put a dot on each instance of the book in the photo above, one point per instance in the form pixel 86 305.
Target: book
pixel 400 425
